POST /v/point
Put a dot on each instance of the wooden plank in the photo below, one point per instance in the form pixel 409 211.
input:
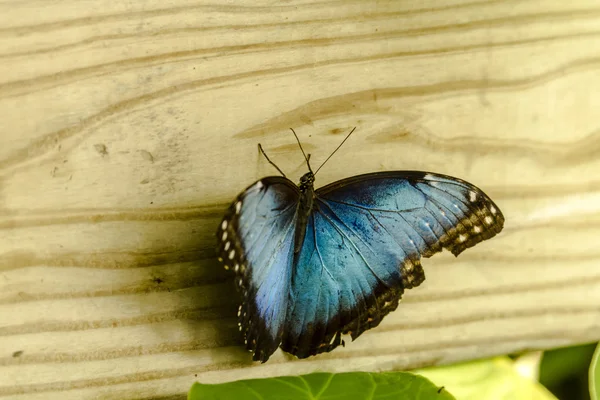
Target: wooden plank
pixel 127 128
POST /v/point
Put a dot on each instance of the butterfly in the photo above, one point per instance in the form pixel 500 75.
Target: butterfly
pixel 313 265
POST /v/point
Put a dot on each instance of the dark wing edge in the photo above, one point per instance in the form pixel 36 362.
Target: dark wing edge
pixel 232 254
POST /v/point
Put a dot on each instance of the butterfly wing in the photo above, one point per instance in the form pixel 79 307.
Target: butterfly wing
pixel 363 245
pixel 256 240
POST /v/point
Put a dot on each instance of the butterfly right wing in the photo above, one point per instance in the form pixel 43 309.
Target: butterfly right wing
pixel 364 242
pixel 256 240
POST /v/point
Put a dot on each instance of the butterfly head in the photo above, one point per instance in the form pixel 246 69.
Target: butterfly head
pixel 306 181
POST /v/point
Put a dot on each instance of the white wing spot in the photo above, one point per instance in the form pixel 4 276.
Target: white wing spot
pixel 488 220
pixel 432 180
pixel 239 312
pixel 226 266
pixel 224 225
pixel 477 229
pixel 224 236
pixel 236 268
pixel 427 224
pixel 231 254
pixel 259 185
pixel 455 206
pixel 493 210
pixel 443 213
pixel 227 245
pixel 411 241
pixel 238 207
pixel 462 238
pixel 472 196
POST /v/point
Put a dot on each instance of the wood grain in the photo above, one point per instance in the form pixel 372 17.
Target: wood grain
pixel 127 127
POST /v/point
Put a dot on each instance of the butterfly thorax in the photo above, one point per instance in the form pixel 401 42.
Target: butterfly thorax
pixel 305 207
pixel 307 182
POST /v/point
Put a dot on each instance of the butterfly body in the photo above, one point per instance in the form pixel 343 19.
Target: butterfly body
pixel 305 207
pixel 313 265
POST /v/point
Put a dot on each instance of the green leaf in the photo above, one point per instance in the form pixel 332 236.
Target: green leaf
pixel 567 364
pixel 595 375
pixel 487 379
pixel 325 386
pixel 564 371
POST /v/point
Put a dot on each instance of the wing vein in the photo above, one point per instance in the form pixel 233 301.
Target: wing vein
pixel 278 246
pixel 350 240
pixel 461 200
pixel 369 208
pixel 314 226
pixel 389 233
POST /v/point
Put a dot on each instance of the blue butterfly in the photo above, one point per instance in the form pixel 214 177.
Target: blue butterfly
pixel 313 265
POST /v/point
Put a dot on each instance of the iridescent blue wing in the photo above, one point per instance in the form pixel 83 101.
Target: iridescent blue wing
pixel 256 240
pixel 363 245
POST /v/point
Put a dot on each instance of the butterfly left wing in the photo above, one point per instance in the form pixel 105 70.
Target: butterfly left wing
pixel 363 245
pixel 256 240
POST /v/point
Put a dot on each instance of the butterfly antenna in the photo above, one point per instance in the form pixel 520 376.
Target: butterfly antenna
pixel 337 148
pixel 269 160
pixel 301 149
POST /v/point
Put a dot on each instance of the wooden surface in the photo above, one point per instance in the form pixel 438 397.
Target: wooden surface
pixel 127 127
